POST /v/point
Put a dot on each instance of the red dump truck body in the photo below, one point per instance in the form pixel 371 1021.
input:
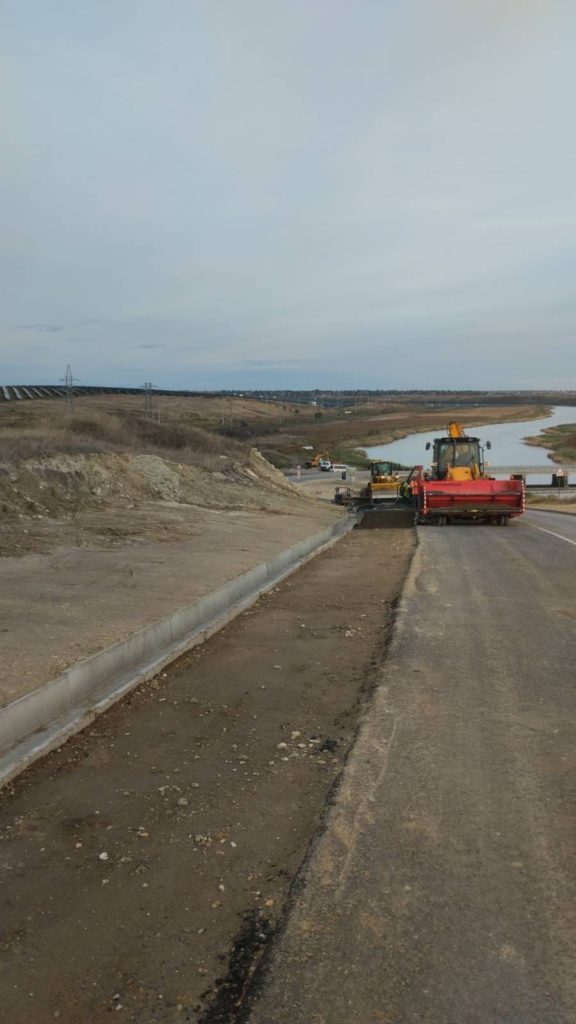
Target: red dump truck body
pixel 481 500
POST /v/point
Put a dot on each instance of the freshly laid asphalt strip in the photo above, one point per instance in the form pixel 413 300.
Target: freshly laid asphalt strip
pixel 166 835
pixel 443 888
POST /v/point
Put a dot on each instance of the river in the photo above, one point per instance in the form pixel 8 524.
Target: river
pixel 507 444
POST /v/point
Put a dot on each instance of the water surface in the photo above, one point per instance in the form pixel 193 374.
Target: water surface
pixel 508 448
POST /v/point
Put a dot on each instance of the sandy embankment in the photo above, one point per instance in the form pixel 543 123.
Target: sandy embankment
pixel 75 583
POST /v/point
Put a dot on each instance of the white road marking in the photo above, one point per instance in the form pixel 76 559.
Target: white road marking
pixel 551 532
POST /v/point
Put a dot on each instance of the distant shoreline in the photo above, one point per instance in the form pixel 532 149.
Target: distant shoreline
pixel 560 442
pixel 540 412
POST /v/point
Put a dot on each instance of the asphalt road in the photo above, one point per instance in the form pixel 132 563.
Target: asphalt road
pixel 442 890
pixel 318 474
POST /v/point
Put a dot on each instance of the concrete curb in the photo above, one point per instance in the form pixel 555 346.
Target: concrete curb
pixel 44 719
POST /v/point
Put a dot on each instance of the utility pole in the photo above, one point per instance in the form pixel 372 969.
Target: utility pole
pixel 147 387
pixel 68 381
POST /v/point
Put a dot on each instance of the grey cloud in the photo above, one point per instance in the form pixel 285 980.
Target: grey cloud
pixel 41 328
pixel 280 206
pixel 109 321
pixel 263 363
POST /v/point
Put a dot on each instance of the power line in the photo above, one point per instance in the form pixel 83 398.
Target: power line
pixel 68 382
pixel 148 391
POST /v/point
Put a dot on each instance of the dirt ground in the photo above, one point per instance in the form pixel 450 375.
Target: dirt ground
pixel 155 852
pixel 50 501
pixel 120 569
pixel 94 547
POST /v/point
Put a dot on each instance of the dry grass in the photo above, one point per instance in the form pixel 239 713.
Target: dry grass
pixel 560 440
pixel 94 431
pixel 547 501
pixel 191 430
pixel 211 412
pixel 340 435
pixel 198 430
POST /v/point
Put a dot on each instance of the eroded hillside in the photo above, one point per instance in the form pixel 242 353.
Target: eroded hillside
pixel 107 474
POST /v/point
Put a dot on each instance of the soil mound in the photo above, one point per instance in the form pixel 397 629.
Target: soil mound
pixel 67 484
pixel 98 499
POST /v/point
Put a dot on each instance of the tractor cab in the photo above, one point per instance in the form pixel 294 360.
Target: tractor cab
pixel 457 456
pixel 383 472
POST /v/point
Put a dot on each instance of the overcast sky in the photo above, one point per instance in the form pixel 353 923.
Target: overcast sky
pixel 289 193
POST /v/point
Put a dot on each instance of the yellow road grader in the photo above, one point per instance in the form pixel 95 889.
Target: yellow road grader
pixel 385 480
